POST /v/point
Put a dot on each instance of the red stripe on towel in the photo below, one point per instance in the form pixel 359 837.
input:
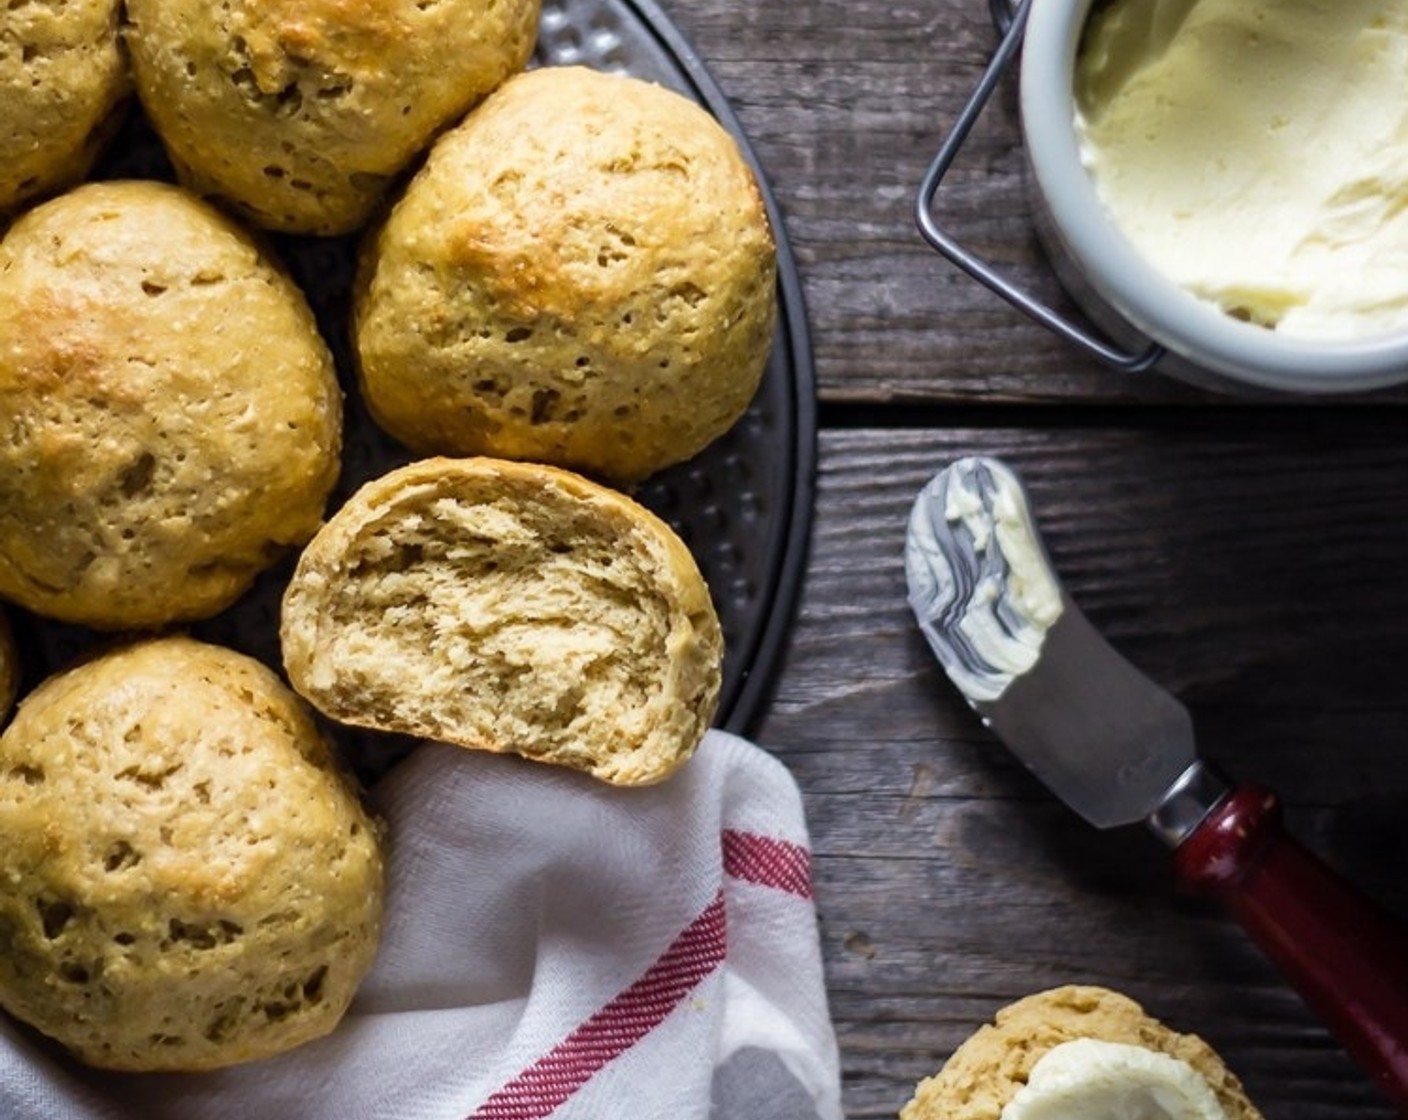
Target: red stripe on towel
pixel 620 1024
pixel 779 864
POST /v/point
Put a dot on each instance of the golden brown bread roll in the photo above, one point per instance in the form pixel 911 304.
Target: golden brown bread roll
pixel 582 274
pixel 186 879
pixel 986 1072
pixel 62 76
pixel 300 112
pixel 508 607
pixel 169 416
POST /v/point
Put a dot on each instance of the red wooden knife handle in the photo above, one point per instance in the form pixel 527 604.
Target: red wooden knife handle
pixel 1347 958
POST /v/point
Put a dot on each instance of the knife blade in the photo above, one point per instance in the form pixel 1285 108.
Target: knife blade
pixel 1117 749
pixel 1100 734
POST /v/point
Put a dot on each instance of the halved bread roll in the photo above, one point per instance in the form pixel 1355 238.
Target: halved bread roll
pixel 508 607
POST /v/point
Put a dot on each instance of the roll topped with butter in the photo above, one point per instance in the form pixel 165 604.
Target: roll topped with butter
pixel 1080 1053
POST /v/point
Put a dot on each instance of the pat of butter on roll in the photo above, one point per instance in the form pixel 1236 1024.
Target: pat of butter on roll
pixel 1088 1079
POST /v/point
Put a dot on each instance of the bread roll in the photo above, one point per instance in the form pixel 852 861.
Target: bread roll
pixel 300 112
pixel 62 77
pixel 170 421
pixel 508 607
pixel 582 274
pixel 186 880
pixel 984 1074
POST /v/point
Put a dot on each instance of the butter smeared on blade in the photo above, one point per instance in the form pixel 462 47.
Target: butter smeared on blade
pixel 979 582
pixel 1102 736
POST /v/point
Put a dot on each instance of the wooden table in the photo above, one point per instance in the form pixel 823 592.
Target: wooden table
pixel 1248 553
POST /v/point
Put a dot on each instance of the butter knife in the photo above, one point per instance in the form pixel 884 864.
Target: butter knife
pixel 1118 749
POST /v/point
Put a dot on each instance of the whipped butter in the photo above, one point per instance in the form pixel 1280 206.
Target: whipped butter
pixel 978 578
pixel 1088 1079
pixel 1256 152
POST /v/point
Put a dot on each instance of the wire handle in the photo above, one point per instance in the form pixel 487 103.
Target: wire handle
pixel 1012 25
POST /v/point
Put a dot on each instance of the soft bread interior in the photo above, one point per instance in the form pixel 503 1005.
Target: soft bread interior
pixel 508 607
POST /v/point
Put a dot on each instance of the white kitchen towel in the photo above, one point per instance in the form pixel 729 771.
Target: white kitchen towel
pixel 554 948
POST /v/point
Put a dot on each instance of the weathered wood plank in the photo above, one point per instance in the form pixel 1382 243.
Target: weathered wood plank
pixel 1256 572
pixel 1249 558
pixel 846 103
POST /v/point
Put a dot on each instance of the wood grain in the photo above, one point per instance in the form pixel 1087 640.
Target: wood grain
pixel 846 103
pixel 1245 551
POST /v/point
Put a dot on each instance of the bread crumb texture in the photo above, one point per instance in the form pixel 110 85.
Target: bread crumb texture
pixel 987 1070
pixel 508 607
pixel 582 274
pixel 62 77
pixel 299 113
pixel 186 879
pixel 170 421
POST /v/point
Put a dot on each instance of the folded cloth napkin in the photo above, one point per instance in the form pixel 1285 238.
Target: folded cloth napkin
pixel 554 948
